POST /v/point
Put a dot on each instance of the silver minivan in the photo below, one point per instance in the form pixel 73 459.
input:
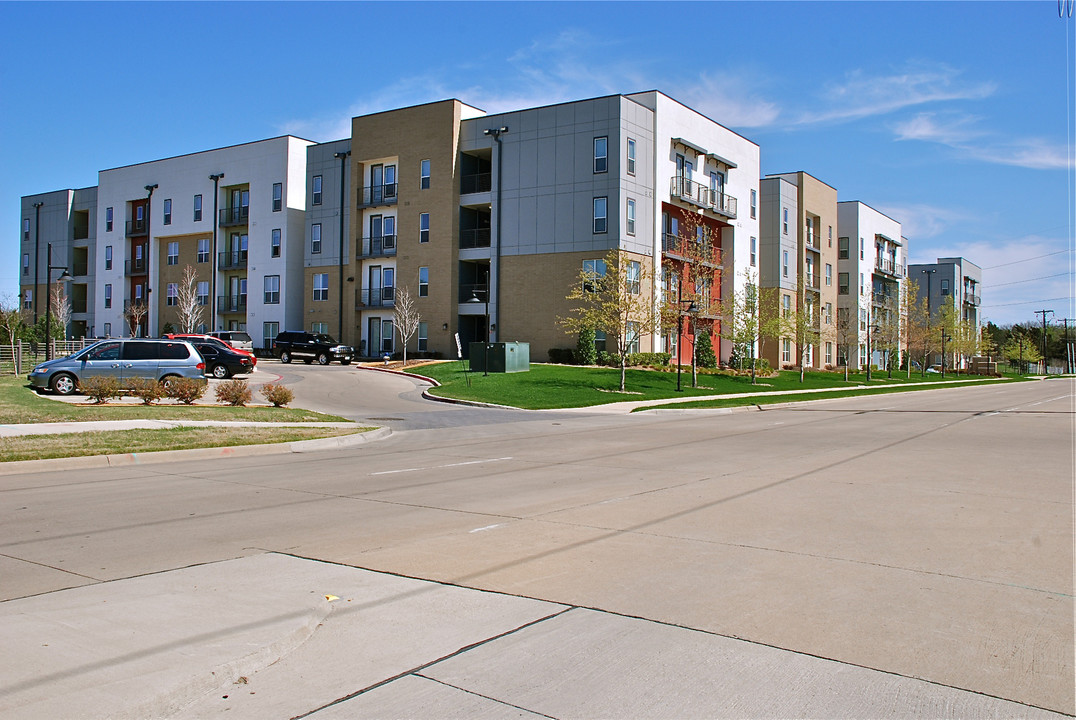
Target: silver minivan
pixel 124 359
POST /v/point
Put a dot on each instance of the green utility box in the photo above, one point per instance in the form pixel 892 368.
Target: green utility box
pixel 506 357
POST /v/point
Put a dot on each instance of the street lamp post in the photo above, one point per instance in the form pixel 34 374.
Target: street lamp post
pixel 944 338
pixel 485 353
pixel 680 329
pixel 496 133
pixel 65 275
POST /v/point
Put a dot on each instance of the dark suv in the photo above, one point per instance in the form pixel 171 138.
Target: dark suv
pixel 311 347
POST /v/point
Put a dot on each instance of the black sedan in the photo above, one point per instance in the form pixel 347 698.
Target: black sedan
pixel 222 362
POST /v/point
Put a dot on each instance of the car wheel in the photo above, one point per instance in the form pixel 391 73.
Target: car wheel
pixel 345 361
pixel 285 357
pixel 63 384
pixel 323 359
pixel 220 372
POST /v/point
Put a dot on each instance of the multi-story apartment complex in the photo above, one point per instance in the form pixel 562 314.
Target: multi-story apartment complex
pixel 871 270
pixel 950 282
pixel 797 259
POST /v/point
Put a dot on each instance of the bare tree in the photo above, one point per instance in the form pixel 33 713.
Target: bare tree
pixel 135 314
pixel 406 317
pixel 190 311
pixel 60 306
pixel 11 324
pixel 802 324
pixel 847 336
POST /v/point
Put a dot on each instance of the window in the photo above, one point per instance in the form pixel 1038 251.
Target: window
pixel 861 248
pixel 786 306
pixel 862 319
pixel 599 340
pixel 172 294
pixel 945 286
pixel 592 270
pixel 601 154
pixel 202 292
pixel 173 253
pixel 168 211
pixel 423 282
pixel 424 227
pixel 319 327
pixel 138 291
pixel 321 286
pixel 861 283
pixel 26 263
pixel 272 289
pixel 424 175
pixel 601 214
pixel 197 208
pixel 631 216
pixel 842 283
pixel 108 257
pixel 829 313
pixel 631 156
pixel 632 275
pixel 108 295
pixel 862 355
pixel 631 335
pixel 278 196
pixel 829 274
pixel 784 221
pixel 26 226
pixel 316 200
pixel 717 185
pixel 274 243
pixel 390 181
pixel 829 353
pixel 754 252
pixel 754 204
pixel 269 332
pixel 423 337
pixel 315 239
pixel 28 300
pixel 108 220
pixel 203 250
pixel 108 329
pixel 388 284
pixel 784 264
pixel 831 236
pixel 786 350
pixel 842 248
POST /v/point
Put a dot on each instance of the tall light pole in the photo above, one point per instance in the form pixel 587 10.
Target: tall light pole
pixel 680 328
pixel 49 267
pixel 213 255
pixel 496 133
pixel 149 249
pixel 342 157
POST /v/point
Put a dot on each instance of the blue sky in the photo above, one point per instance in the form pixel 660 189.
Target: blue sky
pixel 954 118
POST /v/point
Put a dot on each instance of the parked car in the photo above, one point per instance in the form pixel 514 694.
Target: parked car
pixel 238 339
pixel 124 359
pixel 216 341
pixel 223 362
pixel 311 347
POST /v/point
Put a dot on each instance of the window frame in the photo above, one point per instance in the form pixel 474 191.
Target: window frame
pixel 274 243
pixel 172 258
pixel 424 175
pixel 270 294
pixel 203 255
pixel 109 219
pixel 172 294
pixel 422 342
pixel 315 239
pixel 423 232
pixel 754 252
pixel 316 187
pixel 630 229
pixel 108 257
pixel 197 208
pixel 316 282
pixel 754 204
pixel 202 298
pixel 167 214
pixel 424 281
pixel 603 218
pixel 631 156
pixel 108 295
pixel 601 161
pixel 278 197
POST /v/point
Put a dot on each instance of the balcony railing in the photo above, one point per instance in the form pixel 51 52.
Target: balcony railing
pixel 971 298
pixel 135 267
pixel 378 246
pixel 723 204
pixel 237 259
pixel 690 250
pixel 811 281
pixel 374 195
pixel 475 293
pixel 814 241
pixel 474 238
pixel 889 267
pixel 137 228
pixel 232 303
pixel 476 183
pixel 377 297
pixel 701 196
pixel 883 299
pixel 235 216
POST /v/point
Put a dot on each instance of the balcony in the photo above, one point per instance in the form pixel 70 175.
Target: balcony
pixel 134 267
pixel 971 298
pixel 883 299
pixel 811 281
pixel 232 304
pixel 680 248
pixel 377 195
pixel 888 266
pixel 814 242
pixel 474 238
pixel 377 246
pixel 701 196
pixel 230 217
pixel 377 297
pixel 476 183
pixel 235 260
pixel 137 228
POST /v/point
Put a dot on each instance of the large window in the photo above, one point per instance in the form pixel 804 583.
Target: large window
pixel 842 283
pixel 633 273
pixel 203 250
pixel 173 253
pixel 278 196
pixel 593 270
pixel 631 156
pixel 423 337
pixel 274 243
pixel 108 221
pixel 197 208
pixel 108 295
pixel 601 154
pixel 173 294
pixel 842 248
pixel 315 239
pixel 168 211
pixel 423 282
pixel 321 286
pixel 631 216
pixel 269 332
pixel 424 175
pixel 272 289
pixel 202 292
pixel 316 199
pixel 601 214
pixel 424 227
pixel 319 328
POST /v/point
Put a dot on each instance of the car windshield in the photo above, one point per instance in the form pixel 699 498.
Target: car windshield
pixel 323 338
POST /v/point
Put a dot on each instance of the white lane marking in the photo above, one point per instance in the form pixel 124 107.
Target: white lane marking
pixel 487 527
pixel 438 467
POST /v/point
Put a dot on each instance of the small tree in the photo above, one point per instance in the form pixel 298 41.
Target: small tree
pixel 586 353
pixel 802 324
pixel 11 325
pixel 847 336
pixel 135 314
pixel 749 317
pixel 190 312
pixel 613 297
pixel 706 355
pixel 60 306
pixel 406 316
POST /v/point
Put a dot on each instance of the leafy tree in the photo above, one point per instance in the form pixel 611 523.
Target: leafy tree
pixel 749 318
pixel 1021 348
pixel 586 353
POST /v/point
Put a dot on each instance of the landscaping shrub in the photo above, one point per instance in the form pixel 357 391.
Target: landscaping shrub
pixel 705 351
pixel 278 395
pixel 234 393
pixel 100 389
pixel 608 359
pixel 186 390
pixel 585 351
pixel 641 359
pixel 561 356
pixel 150 391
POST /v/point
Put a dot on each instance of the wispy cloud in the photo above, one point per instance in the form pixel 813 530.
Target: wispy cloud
pixel 920 220
pixel 935 127
pixel 729 99
pixel 958 132
pixel 1033 153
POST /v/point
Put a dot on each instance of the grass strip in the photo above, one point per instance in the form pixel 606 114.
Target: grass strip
pixel 39 447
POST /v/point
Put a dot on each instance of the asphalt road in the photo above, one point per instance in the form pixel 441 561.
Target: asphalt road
pixel 926 535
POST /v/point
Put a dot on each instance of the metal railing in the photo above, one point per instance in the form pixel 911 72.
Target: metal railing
pixel 814 241
pixel 690 250
pixel 234 216
pixel 811 281
pixel 476 183
pixel 231 303
pixel 971 298
pixel 136 228
pixel 20 358
pixel 887 265
pixel 134 267
pixel 377 297
pixel 698 194
pixel 474 238
pixel 232 260
pixel 374 195
pixel 377 246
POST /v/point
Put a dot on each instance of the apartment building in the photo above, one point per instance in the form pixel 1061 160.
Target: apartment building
pixel 66 221
pixel 872 267
pixel 797 261
pixel 950 282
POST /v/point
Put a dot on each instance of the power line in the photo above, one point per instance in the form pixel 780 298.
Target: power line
pixel 1029 302
pixel 1017 282
pixel 1014 262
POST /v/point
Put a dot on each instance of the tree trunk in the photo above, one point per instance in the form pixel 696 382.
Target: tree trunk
pixel 623 370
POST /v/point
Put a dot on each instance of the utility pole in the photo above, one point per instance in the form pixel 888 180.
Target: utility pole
pixel 1045 359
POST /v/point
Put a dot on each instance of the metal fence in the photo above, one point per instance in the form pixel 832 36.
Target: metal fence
pixel 20 358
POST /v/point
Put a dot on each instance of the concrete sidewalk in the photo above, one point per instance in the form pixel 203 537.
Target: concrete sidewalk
pixel 59 428
pixel 278 636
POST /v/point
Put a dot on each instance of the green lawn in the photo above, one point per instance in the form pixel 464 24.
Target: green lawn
pixel 563 386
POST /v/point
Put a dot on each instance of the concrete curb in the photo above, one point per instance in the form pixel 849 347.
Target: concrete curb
pixel 19 467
